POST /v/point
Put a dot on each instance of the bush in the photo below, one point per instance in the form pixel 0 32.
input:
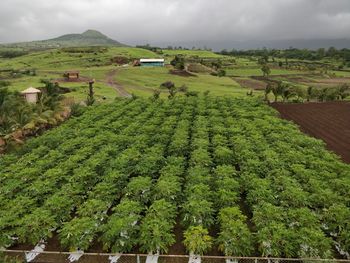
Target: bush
pixel 12 53
pixel 221 73
pixel 183 88
pixel 167 85
pixel 178 62
pixel 156 94
pixel 77 109
pixel 191 94
pixel 206 93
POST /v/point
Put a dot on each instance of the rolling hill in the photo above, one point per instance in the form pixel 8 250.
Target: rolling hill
pixel 88 38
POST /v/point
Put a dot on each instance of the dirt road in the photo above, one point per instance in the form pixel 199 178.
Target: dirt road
pixel 118 87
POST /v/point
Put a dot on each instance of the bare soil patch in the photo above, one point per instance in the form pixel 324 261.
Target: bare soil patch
pixel 251 83
pixel 64 80
pixel 328 121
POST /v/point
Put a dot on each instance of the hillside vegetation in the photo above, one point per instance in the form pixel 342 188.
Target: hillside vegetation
pixel 88 38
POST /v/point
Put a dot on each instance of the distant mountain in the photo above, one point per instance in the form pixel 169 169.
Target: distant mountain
pixel 88 38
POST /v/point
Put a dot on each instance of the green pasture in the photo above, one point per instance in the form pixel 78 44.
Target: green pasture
pixel 142 81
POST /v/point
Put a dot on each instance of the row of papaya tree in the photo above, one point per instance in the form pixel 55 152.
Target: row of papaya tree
pixel 296 189
pixel 57 181
pixel 126 173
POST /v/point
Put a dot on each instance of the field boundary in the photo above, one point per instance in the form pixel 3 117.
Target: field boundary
pixel 137 257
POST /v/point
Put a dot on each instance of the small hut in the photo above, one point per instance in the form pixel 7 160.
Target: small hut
pixel 31 94
pixel 71 75
pixel 152 62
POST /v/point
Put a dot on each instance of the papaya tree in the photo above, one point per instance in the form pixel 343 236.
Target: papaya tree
pixel 197 240
pixel 156 230
pixel 234 238
pixel 120 233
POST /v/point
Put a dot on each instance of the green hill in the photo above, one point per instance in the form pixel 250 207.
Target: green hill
pixel 88 38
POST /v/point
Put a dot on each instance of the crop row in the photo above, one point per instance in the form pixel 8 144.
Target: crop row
pixel 228 171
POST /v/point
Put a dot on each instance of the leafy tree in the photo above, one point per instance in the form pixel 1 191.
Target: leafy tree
pixel 171 88
pixel 178 62
pixel 197 240
pixel 309 93
pixel 343 91
pixel 266 70
pixel 286 92
pixel 268 90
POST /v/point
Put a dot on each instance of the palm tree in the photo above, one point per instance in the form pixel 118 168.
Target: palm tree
pixel 343 91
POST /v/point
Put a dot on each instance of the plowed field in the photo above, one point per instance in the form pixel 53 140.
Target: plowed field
pixel 329 121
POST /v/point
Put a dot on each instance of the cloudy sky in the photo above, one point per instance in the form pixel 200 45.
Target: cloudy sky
pixel 176 21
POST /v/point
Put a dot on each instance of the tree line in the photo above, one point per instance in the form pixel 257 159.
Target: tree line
pixel 294 53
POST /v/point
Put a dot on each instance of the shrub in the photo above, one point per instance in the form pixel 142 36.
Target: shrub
pixel 191 93
pixel 156 94
pixel 221 73
pixel 167 84
pixel 76 109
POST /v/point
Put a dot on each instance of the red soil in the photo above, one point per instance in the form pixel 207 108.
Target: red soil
pixel 329 121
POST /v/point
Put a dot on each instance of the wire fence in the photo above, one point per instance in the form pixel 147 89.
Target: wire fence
pixel 19 256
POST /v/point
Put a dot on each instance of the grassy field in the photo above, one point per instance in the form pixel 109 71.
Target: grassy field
pixel 142 82
pixel 51 64
pixel 257 72
pixel 58 59
pixel 193 53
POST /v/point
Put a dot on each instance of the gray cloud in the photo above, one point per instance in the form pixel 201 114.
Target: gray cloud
pixel 176 21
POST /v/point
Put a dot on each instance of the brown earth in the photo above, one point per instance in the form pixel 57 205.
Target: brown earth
pixel 251 83
pixel 328 121
pixel 334 80
pixel 324 83
pixel 315 80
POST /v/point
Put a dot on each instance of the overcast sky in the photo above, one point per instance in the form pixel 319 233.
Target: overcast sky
pixel 175 21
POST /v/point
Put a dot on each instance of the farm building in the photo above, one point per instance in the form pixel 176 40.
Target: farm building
pixel 152 62
pixel 31 94
pixel 71 75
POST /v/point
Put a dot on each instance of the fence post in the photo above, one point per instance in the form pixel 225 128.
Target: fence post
pixel 137 258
